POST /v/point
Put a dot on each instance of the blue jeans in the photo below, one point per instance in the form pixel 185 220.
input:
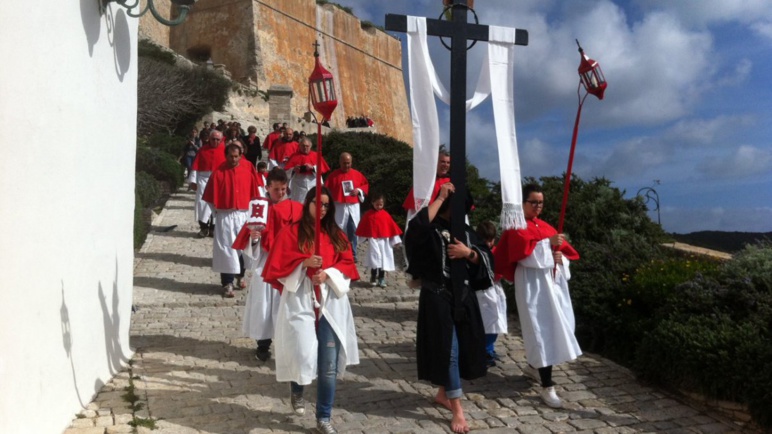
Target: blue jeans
pixel 453 388
pixel 327 370
pixel 490 341
pixel 351 230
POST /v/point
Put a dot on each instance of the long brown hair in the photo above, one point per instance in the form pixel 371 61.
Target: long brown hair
pixel 307 224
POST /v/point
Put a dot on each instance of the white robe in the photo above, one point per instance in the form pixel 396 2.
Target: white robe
pixel 295 333
pixel 493 309
pixel 227 224
pixel 545 310
pixel 299 185
pixel 202 210
pixel 344 210
pixel 380 252
pixel 262 305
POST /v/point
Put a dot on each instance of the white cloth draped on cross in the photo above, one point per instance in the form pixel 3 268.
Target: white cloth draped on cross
pixel 497 73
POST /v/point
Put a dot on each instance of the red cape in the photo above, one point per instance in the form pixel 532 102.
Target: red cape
pixel 409 203
pixel 285 256
pixel 270 138
pixel 208 159
pixel 232 187
pixel 280 215
pixel 518 244
pixel 282 150
pixel 377 224
pixel 299 159
pixel 335 180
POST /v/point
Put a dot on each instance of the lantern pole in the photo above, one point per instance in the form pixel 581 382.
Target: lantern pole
pixel 567 182
pixel 591 78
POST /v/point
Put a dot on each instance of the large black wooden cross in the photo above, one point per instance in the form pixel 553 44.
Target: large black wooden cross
pixel 459 31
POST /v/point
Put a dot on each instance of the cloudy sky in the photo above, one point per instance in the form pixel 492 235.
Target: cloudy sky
pixel 688 109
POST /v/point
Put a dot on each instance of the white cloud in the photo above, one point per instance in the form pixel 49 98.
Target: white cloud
pixel 706 132
pixel 746 161
pixel 757 14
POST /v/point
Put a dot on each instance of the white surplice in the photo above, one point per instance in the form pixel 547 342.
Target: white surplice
pixel 493 309
pixel 295 332
pixel 202 210
pixel 227 224
pixel 545 309
pixel 380 252
pixel 262 304
pixel 300 184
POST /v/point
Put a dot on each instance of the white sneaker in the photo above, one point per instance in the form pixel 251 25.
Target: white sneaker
pixel 550 397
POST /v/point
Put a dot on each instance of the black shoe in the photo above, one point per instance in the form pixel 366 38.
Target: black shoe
pixel 262 354
pixel 489 362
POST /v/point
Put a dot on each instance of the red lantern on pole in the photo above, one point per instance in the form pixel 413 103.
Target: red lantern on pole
pixel 591 77
pixel 321 93
pixel 321 88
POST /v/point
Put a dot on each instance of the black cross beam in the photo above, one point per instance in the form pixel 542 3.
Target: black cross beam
pixel 459 31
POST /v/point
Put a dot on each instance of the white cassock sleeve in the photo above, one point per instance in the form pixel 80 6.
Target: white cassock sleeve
pixel 192 176
pixel 337 281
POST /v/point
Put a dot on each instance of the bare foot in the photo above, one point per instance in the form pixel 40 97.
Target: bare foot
pixel 442 399
pixel 458 424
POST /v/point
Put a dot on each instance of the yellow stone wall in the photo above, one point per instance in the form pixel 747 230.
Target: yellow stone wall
pixel 270 42
pixel 150 28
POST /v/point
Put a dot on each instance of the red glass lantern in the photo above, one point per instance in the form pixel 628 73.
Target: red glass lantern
pixel 321 89
pixel 591 75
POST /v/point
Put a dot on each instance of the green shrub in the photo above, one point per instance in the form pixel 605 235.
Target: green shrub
pixel 160 165
pixel 713 334
pixel 140 229
pixel 171 144
pixel 147 189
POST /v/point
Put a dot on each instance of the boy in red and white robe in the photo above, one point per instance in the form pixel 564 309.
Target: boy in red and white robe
pixel 209 158
pixel 383 235
pixel 262 301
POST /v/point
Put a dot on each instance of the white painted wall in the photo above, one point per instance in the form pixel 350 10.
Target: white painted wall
pixel 68 102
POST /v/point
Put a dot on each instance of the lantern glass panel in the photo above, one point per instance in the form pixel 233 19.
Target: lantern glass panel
pixel 318 92
pixel 330 89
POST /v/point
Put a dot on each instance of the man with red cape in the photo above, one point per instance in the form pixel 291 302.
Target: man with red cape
pixel 348 187
pixel 209 157
pixel 443 176
pixel 301 168
pixel 271 137
pixel 282 150
pixel 229 190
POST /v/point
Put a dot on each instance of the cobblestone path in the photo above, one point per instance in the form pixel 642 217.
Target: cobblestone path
pixel 194 373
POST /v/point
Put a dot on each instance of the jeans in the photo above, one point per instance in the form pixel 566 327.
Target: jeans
pixel 453 388
pixel 490 341
pixel 351 230
pixel 327 370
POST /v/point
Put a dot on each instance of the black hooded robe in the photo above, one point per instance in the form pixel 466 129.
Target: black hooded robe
pixel 426 246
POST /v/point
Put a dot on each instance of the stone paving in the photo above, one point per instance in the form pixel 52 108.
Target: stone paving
pixel 193 372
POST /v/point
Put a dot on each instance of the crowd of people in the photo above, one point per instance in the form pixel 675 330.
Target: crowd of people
pixel 359 122
pixel 262 215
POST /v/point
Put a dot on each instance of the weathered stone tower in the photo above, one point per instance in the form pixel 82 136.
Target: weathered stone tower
pixel 269 43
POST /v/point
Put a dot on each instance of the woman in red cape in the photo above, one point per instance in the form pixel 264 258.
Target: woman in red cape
pixel 314 333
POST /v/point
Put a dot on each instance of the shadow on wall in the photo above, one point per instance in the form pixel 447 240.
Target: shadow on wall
pixel 112 326
pixel 111 318
pixel 118 34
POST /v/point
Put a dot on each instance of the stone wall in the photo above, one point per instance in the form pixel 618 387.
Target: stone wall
pixel 150 28
pixel 270 43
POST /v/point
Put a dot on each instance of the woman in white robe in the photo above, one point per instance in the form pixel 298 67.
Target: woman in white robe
pixel 314 334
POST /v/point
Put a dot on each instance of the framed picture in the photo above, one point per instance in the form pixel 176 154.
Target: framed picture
pixel 348 188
